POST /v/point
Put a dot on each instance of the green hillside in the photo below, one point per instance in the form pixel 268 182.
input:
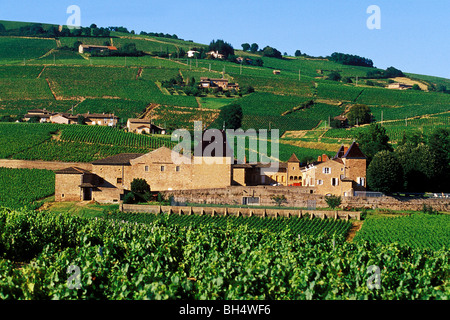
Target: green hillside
pixel 49 73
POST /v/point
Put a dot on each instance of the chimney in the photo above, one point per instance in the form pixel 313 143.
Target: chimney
pixel 319 159
pixel 325 158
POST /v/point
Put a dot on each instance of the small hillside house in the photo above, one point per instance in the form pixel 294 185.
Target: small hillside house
pixel 42 115
pixel 222 84
pixel 399 86
pixel 85 48
pixel 144 126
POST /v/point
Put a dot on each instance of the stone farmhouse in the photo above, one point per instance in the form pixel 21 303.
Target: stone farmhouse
pixel 42 114
pixel 215 55
pixel 399 86
pixel 166 170
pixel 144 126
pixel 222 84
pixel 101 119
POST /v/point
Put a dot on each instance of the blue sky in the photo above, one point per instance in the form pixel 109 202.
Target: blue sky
pixel 414 35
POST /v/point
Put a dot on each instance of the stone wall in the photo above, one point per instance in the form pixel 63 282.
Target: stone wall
pixel 440 204
pixel 299 197
pixel 296 196
pixel 225 211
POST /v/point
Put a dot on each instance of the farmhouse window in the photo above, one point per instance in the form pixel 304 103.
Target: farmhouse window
pixel 327 170
pixel 319 182
pixel 334 181
pixel 177 169
pixel 162 168
pixel 146 168
pixel 119 180
pixel 360 181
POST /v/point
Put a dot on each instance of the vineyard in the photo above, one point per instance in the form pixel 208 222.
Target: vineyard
pixel 25 187
pixel 121 260
pixel 304 226
pixel 416 231
pixel 396 129
pixel 113 137
pixel 72 143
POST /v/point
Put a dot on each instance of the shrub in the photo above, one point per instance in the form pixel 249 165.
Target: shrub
pixel 333 201
pixel 429 209
pixel 279 200
pixel 129 198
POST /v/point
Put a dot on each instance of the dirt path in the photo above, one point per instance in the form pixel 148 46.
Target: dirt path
pixel 148 111
pixel 41 72
pixel 139 73
pixel 356 226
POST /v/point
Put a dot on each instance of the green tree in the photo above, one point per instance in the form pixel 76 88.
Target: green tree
pixel 245 47
pixel 359 114
pixel 139 185
pixel 279 199
pixel 34 119
pixel 413 137
pixel 392 72
pixel 385 173
pixel 222 47
pixel 439 143
pixel 80 119
pixel 419 165
pixel 232 116
pixel 416 87
pixel 76 45
pixel 441 88
pixel 271 52
pixel 334 76
pixel 298 53
pixel 76 32
pixel 373 140
pixel 333 201
pixel 141 189
pixel 258 62
pixel 254 47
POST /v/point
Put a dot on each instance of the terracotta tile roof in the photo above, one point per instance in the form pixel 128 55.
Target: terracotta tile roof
pixel 293 158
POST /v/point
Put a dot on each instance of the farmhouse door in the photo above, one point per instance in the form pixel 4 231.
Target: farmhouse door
pixel 87 194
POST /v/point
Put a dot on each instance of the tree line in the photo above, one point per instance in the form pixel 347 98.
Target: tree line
pixel 37 30
pixel 349 59
pixel 419 163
